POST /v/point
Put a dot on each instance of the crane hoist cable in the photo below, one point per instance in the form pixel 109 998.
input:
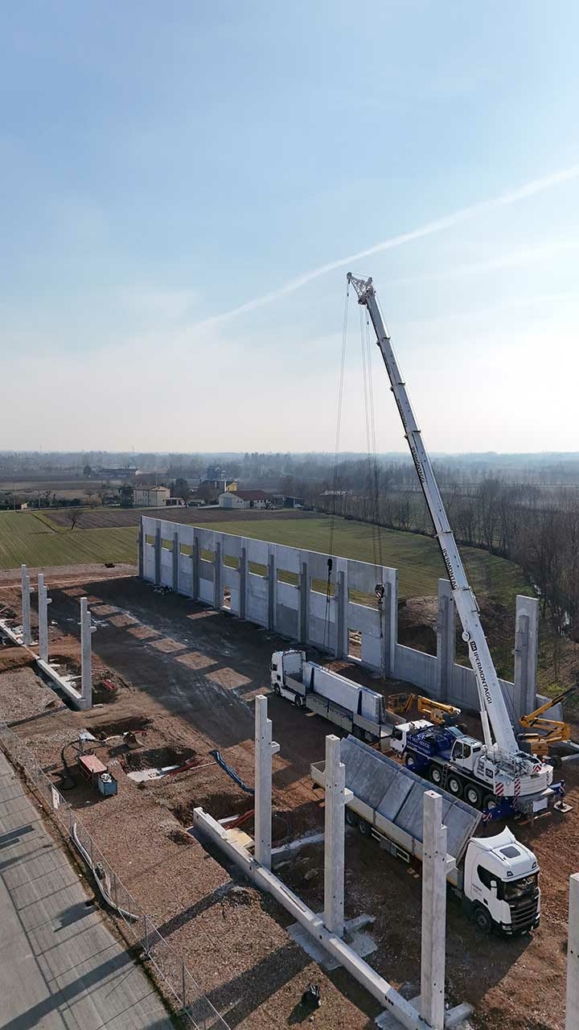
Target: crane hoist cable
pixel 335 478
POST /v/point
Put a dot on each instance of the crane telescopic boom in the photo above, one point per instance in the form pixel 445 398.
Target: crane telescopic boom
pixel 493 707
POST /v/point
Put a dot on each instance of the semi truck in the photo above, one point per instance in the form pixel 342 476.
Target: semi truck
pixel 516 780
pixel 353 707
pixel 495 878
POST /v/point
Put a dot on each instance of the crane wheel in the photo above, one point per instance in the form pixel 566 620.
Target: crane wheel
pixel 472 795
pixel 555 761
pixel 455 786
pixel 435 774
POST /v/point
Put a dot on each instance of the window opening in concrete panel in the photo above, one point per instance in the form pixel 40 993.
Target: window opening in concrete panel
pixel 226 599
pixel 167 544
pixel 208 556
pixel 285 576
pixel 320 586
pixel 231 561
pixel 257 569
pixel 359 597
pixel 354 644
pixel 186 549
pixel 149 539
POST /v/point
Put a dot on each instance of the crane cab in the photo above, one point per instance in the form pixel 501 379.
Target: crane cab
pixel 466 752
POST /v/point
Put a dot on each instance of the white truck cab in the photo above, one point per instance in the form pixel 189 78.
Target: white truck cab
pixel 501 884
pixel 400 733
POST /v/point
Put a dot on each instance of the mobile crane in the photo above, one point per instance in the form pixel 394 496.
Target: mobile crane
pixel 495 775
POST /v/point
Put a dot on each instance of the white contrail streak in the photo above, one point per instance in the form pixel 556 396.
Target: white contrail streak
pixel 438 225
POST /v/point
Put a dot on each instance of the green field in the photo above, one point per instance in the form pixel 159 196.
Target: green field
pixel 30 539
pixel 34 539
pixel 417 558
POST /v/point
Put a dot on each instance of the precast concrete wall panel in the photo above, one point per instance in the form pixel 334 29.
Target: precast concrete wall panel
pixel 364 620
pixel 371 653
pixel 166 567
pixel 257 599
pixel 287 559
pixel 415 667
pixel 286 622
pixel 257 551
pixel 301 613
pixel 288 596
pixel 392 800
pixel 335 688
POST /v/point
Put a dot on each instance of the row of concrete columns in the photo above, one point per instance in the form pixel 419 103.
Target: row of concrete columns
pixel 337 795
pixel 86 630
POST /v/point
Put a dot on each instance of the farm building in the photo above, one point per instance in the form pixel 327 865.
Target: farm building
pixel 244 499
pixel 151 496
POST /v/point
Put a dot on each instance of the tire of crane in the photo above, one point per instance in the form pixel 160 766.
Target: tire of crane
pixel 472 795
pixel 435 774
pixel 410 762
pixel 454 784
pixel 490 802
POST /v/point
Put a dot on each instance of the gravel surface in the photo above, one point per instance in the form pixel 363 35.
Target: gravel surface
pixel 235 943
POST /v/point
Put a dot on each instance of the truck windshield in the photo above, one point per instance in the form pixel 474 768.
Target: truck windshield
pixel 510 891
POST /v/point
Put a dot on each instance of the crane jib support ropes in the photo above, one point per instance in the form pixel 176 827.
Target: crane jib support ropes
pixel 494 712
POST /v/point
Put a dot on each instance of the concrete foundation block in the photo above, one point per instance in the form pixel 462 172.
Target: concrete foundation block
pixel 360 942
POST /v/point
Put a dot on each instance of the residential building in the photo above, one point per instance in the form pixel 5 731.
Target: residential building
pixel 244 499
pixel 151 496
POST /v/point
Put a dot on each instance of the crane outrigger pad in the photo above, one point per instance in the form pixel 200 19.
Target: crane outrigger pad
pixel 396 793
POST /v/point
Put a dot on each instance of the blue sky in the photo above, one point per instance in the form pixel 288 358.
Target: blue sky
pixel 165 164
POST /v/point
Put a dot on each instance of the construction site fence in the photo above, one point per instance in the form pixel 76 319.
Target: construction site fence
pixel 138 928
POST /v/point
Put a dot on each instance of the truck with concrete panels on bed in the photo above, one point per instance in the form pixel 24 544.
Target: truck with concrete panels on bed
pixel 495 878
pixel 351 706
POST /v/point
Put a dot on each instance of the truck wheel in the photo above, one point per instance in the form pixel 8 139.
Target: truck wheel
pixel 490 802
pixel 473 795
pixel 364 827
pixel 482 920
pixel 435 774
pixel 455 786
pixel 277 689
pixel 351 817
pixel 410 762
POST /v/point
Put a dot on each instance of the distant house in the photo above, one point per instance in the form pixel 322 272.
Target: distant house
pixel 151 496
pixel 244 499
pixel 174 502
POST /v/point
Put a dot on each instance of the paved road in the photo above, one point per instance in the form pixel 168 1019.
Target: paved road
pixel 60 967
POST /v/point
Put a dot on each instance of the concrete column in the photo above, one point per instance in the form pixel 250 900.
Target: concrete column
pixel 334 837
pixel 433 912
pixel 526 652
pixel 43 601
pixel 25 579
pixel 445 640
pixel 86 631
pixel 195 563
pixel 158 556
pixel 271 591
pixel 265 749
pixel 340 648
pixel 242 582
pixel 217 578
pixel 176 561
pixel 141 549
pixel 304 610
pixel 572 1017
pixel 389 617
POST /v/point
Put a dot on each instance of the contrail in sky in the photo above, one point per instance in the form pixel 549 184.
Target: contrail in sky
pixel 438 225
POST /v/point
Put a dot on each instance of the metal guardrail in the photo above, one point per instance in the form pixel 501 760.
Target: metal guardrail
pixel 137 927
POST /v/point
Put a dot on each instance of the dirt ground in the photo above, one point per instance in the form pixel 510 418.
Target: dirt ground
pixel 183 677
